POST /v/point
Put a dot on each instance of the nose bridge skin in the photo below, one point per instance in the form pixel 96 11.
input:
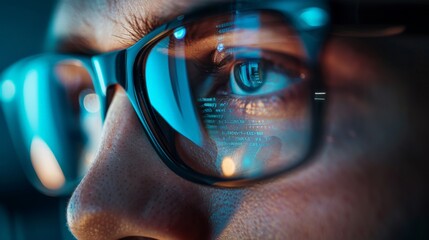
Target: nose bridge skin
pixel 129 192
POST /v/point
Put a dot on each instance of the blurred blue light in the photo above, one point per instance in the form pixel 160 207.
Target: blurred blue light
pixel 180 33
pixel 8 90
pixel 31 99
pixel 314 17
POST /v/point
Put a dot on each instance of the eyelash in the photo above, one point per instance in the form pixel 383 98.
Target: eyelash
pixel 221 68
pixel 138 26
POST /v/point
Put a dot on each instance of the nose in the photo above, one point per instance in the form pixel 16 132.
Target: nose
pixel 128 192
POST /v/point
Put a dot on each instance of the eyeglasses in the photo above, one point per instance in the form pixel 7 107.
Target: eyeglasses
pixel 227 95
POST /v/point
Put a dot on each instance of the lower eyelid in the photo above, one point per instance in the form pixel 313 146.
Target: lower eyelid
pixel 282 104
pixel 258 108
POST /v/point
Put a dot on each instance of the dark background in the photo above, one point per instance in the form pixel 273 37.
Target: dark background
pixel 24 212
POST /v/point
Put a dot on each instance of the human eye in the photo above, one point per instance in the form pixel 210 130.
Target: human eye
pixel 256 77
pixel 255 80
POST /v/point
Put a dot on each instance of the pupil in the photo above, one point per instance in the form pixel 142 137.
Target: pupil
pixel 249 76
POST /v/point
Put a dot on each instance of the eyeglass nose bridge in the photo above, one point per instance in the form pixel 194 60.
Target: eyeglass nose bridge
pixel 109 69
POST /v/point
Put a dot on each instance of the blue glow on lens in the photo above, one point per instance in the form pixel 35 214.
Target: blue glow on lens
pixel 100 75
pixel 31 99
pixel 8 90
pixel 169 94
pixel 220 47
pixel 314 17
pixel 180 33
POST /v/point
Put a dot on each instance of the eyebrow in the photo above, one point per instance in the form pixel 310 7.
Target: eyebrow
pixel 139 26
pixel 135 24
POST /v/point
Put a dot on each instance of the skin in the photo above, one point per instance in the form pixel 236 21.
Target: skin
pixel 366 181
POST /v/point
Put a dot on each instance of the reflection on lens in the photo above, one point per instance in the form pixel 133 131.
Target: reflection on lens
pixel 82 115
pixel 239 88
pixel 228 166
pixel 7 90
pixel 46 165
pixel 249 75
pixel 180 33
pixel 49 92
pixel 91 103
pixel 60 136
pixel 91 127
pixel 314 17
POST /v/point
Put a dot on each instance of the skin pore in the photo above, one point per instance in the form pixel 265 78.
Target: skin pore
pixel 366 182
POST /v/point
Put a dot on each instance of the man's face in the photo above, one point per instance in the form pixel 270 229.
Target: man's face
pixel 358 186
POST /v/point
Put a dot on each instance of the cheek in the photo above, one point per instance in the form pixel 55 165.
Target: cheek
pixel 367 103
pixel 333 198
pixel 354 185
pixel 201 159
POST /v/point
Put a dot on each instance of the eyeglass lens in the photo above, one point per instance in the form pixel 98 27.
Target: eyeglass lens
pixel 230 94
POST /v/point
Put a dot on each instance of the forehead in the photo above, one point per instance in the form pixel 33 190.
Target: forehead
pixel 106 25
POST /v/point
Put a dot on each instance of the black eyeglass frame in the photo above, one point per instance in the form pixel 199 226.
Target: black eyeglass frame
pixel 134 85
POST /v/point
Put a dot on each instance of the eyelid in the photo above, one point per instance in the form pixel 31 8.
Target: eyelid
pixel 197 48
pixel 276 59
